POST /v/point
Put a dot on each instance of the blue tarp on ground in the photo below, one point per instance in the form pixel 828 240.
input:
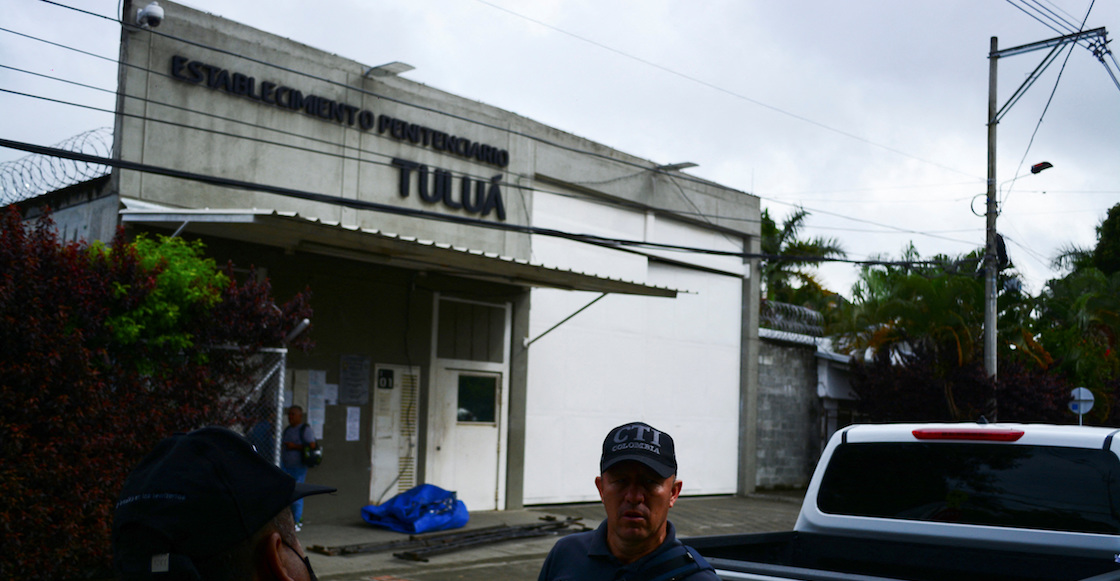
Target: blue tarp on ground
pixel 421 509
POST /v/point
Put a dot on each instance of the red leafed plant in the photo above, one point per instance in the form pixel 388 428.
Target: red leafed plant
pixel 104 350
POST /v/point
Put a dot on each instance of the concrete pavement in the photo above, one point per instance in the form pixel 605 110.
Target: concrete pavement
pixel 520 559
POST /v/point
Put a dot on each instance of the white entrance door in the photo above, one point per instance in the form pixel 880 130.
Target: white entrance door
pixel 468 401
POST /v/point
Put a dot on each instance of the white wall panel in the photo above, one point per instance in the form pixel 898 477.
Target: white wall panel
pixel 673 363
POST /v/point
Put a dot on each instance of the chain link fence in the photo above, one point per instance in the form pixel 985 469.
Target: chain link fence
pixel 261 404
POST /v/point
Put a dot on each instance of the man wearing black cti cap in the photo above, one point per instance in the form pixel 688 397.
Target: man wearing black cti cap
pixel 206 506
pixel 638 485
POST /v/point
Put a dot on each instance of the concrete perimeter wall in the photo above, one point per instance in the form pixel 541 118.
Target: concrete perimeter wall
pixel 788 415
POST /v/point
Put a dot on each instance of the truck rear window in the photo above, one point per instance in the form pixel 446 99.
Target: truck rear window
pixel 1038 487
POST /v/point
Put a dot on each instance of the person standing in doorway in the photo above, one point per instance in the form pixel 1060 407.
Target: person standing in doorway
pixel 297 436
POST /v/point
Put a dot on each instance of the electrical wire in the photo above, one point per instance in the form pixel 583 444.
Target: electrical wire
pixel 863 221
pixel 510 184
pixel 1068 17
pixel 609 242
pixel 315 77
pixel 1044 16
pixel 1030 142
pixel 682 176
pixel 514 132
pixel 1049 100
pixel 358 159
pixel 1097 46
pixel 723 90
pixel 1048 18
pixel 343 156
pixel 333 144
pixel 1030 252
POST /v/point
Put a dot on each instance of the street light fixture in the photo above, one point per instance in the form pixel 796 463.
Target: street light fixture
pixel 677 166
pixel 1041 166
pixel 1035 169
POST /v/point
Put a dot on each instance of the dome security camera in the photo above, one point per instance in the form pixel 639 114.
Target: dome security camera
pixel 150 16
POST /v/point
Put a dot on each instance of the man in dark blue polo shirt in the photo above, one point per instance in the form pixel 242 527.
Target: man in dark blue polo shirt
pixel 638 485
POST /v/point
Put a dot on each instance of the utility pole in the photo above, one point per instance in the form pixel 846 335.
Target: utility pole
pixel 991 261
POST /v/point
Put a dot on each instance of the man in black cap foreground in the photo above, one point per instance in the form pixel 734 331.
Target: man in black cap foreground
pixel 205 505
pixel 638 485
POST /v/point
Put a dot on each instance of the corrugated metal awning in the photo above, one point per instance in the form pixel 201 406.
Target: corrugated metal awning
pixel 292 231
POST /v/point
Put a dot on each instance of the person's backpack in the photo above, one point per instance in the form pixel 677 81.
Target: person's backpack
pixel 311 457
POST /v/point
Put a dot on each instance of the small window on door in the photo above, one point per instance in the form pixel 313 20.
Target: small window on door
pixel 478 396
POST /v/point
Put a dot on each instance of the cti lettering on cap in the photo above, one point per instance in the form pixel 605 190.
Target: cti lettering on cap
pixel 640 432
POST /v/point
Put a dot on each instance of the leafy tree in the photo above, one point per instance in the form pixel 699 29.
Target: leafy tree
pixel 1077 317
pixel 1106 256
pixel 1078 322
pixel 787 274
pixel 929 315
pixel 922 325
pixel 104 350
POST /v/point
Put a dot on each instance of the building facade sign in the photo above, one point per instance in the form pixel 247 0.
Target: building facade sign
pixel 284 97
pixel 435 185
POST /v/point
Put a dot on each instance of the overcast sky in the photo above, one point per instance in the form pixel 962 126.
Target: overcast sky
pixel 870 115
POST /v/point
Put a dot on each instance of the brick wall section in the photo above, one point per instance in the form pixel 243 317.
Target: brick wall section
pixel 788 415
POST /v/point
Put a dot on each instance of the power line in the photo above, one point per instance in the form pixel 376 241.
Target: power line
pixel 875 189
pixel 1044 16
pixel 1067 16
pixel 348 87
pixel 1048 18
pixel 334 143
pixel 600 45
pixel 360 151
pixel 643 168
pixel 1034 133
pixel 424 214
pixel 1046 108
pixel 720 89
pixel 344 85
pixel 1098 46
pixel 863 221
pixel 343 156
pixel 1031 253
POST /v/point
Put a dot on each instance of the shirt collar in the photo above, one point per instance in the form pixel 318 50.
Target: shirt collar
pixel 600 549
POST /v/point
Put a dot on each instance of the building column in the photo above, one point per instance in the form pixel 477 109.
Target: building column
pixel 748 371
pixel 518 390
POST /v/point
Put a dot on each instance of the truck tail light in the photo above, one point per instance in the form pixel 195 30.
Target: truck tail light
pixel 983 434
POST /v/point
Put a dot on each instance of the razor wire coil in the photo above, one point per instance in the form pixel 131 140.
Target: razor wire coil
pixel 35 175
pixel 791 318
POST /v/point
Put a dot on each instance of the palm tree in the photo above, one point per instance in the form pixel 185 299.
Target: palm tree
pixel 787 273
pixel 906 306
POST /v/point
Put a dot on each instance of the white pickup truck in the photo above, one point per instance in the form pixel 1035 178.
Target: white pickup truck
pixel 946 502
